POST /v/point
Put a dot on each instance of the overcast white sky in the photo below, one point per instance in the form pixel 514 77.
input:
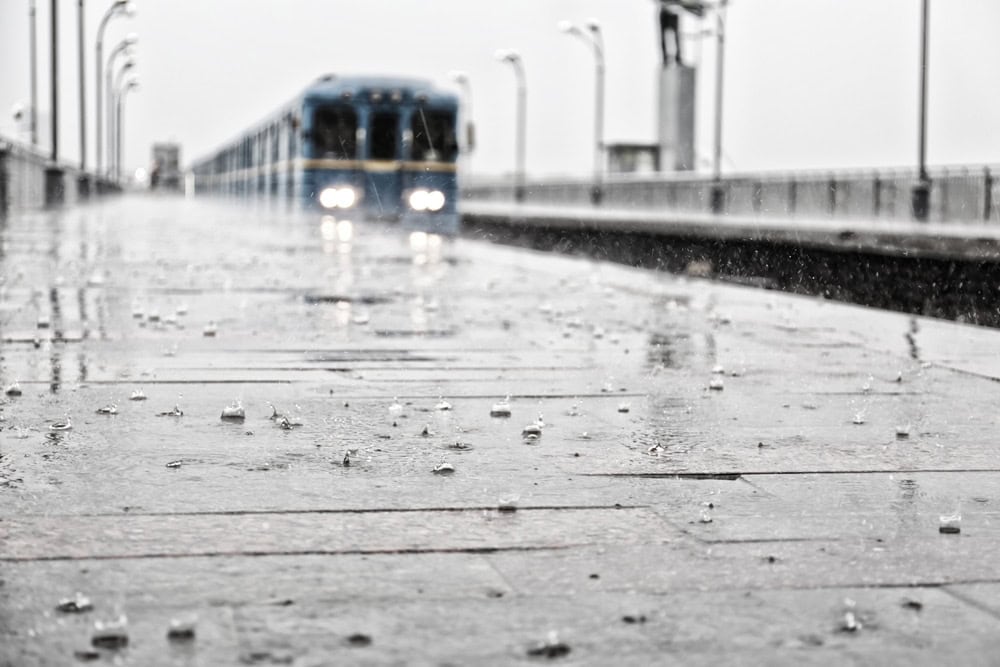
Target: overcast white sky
pixel 809 83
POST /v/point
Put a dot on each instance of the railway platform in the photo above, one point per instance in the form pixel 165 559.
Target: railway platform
pixel 454 453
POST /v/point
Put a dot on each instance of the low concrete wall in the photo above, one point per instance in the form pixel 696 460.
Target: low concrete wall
pixel 963 194
pixel 29 181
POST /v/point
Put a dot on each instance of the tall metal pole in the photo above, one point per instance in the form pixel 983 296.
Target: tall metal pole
pixel 718 194
pixel 113 92
pixel 920 197
pixel 596 192
pixel 33 119
pixel 120 126
pixel 55 80
pixel 83 90
pixel 118 5
pixel 522 106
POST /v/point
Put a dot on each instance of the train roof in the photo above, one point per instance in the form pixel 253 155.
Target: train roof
pixel 337 86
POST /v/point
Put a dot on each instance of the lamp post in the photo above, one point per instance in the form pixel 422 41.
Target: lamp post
pixel 83 92
pixel 718 194
pixel 513 58
pixel 117 8
pixel 131 84
pixel 54 10
pixel 462 79
pixel 33 119
pixel 594 38
pixel 123 47
pixel 114 90
pixel 920 197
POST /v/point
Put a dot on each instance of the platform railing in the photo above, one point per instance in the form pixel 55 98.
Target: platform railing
pixel 958 194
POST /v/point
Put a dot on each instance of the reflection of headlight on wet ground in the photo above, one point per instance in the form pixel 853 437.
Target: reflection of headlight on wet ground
pixel 418 241
pixel 336 230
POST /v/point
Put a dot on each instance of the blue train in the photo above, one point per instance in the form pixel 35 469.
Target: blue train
pixel 377 148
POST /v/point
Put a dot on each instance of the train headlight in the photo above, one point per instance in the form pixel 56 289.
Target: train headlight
pixel 435 200
pixel 418 200
pixel 426 200
pixel 338 197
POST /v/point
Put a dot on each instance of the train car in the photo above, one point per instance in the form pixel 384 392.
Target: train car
pixel 378 148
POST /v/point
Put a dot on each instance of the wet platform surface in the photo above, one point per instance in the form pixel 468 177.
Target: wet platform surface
pixel 789 515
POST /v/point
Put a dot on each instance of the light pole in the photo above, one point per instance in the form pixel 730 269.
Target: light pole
pixel 594 38
pixel 33 119
pixel 131 84
pixel 83 92
pixel 117 8
pixel 114 90
pixel 54 10
pixel 462 79
pixel 921 195
pixel 718 196
pixel 513 58
pixel 123 47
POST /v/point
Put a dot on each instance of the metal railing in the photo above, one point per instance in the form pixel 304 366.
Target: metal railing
pixel 958 194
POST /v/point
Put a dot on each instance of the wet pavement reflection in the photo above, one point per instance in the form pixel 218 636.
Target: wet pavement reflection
pixel 210 408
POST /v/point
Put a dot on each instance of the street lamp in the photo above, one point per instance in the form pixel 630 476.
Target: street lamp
pixel 131 84
pixel 718 194
pixel 118 8
pixel 123 47
pixel 113 91
pixel 462 79
pixel 592 36
pixel 33 119
pixel 513 58
pixel 921 195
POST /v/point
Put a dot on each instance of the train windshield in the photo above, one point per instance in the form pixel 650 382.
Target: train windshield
pixel 385 135
pixel 433 136
pixel 335 130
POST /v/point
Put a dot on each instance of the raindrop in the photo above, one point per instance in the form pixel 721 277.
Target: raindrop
pixel 624 407
pixel 705 517
pixel 716 384
pixel 443 469
pixel 718 369
pixel 175 464
pixel 346 461
pixel 903 431
pixel 75 605
pixel 396 407
pixel 13 389
pixel 110 409
pixel 426 432
pixel 859 418
pixel 137 395
pixel 501 409
pixel 655 450
pixel 234 412
pixel 531 430
pixel 43 322
pixel 210 330
pixel 181 629
pixel 850 622
pixel 111 634
pixel 62 426
pixel 176 412
pixel 443 405
pixel 950 524
pixel 550 648
pixel 508 504
pixel 867 386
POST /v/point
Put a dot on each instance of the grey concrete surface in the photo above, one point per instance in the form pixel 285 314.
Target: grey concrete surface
pixel 780 520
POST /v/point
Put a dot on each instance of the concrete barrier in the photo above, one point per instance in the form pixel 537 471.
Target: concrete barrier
pixel 30 181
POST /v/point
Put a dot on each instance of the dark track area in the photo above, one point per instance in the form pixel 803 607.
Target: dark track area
pixel 964 291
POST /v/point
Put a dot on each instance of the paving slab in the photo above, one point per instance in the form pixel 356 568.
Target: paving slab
pixel 732 464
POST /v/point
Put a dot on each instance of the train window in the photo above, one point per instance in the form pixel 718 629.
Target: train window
pixel 385 135
pixel 433 136
pixel 334 132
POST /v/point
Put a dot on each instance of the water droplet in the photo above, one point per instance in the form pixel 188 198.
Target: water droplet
pixel 705 517
pixel 443 469
pixel 210 330
pixel 181 629
pixel 13 389
pixel 77 604
pixel 624 407
pixel 110 409
pixel 718 369
pixel 66 425
pixel 508 504
pixel 443 405
pixel 903 431
pixel 137 395
pixel 396 407
pixel 176 412
pixel 234 412
pixel 111 635
pixel 501 409
pixel 950 524
pixel 716 384
pixel 859 418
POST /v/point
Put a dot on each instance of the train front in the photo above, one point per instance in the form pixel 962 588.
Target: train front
pixel 384 149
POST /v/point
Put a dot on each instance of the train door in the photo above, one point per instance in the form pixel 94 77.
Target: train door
pixel 383 189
